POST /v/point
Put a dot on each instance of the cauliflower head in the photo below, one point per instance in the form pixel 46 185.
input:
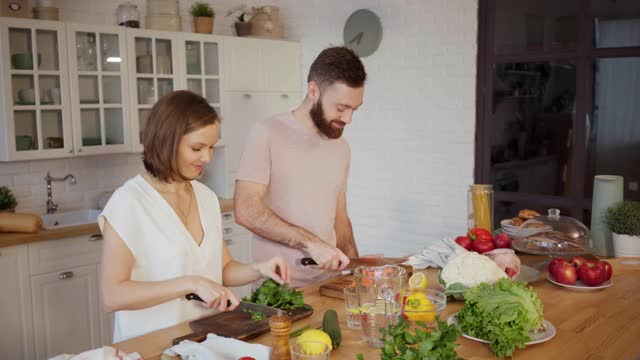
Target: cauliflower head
pixel 470 269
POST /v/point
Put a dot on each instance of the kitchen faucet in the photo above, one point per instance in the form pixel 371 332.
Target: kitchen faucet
pixel 51 206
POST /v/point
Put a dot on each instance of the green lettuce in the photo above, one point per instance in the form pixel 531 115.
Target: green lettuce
pixel 503 314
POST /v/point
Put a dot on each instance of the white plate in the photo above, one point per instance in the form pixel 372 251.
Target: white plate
pixel 579 286
pixel 536 337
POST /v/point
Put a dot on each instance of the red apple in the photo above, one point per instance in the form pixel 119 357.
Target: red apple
pixel 553 264
pixel 608 270
pixel 566 273
pixel 482 245
pixel 592 273
pixel 502 241
pixel 464 241
pixel 577 261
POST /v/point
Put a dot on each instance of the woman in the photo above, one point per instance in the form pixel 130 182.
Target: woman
pixel 162 229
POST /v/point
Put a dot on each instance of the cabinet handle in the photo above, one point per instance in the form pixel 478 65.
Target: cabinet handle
pixel 227 216
pixel 70 151
pixel 228 242
pixel 284 96
pixel 95 237
pixel 80 150
pixel 247 96
pixel 227 230
pixel 65 275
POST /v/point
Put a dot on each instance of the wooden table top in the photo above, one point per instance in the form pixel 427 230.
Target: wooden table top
pixel 603 324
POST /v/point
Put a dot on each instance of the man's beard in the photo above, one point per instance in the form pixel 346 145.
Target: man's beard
pixel 324 125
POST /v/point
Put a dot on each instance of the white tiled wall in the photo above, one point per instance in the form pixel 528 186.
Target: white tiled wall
pixel 412 141
pixel 94 175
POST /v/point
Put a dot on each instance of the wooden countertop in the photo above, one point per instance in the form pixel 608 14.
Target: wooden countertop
pixel 602 324
pixel 11 239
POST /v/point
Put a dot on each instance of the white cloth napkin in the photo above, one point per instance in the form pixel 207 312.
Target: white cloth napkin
pixel 435 254
pixel 218 348
pixel 103 353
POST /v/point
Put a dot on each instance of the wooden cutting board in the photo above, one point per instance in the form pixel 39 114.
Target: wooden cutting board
pixel 335 287
pixel 235 324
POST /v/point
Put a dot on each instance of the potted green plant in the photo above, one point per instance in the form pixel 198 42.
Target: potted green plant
pixel 8 201
pixel 203 15
pixel 242 24
pixel 623 220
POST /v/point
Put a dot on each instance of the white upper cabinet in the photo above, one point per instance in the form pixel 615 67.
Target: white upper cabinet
pixel 201 69
pixel 99 89
pixel 36 116
pixel 153 72
pixel 262 65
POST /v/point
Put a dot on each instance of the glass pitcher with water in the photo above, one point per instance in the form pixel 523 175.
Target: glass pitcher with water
pixel 380 292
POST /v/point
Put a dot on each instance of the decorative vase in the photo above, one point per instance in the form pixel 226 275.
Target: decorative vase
pixel 608 190
pixel 243 28
pixel 203 25
pixel 267 22
pixel 626 245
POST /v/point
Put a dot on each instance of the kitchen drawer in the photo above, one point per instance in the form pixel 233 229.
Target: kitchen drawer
pixel 57 255
pixel 227 225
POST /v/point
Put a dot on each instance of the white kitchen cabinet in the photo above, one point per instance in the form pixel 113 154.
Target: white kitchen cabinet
pixel 239 247
pixel 99 89
pixel 244 109
pixel 262 65
pixel 106 318
pixel 35 114
pixel 16 313
pixel 201 69
pixel 154 64
pixel 66 314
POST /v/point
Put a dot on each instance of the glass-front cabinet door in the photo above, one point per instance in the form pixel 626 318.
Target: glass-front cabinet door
pixel 153 73
pixel 99 89
pixel 36 119
pixel 201 69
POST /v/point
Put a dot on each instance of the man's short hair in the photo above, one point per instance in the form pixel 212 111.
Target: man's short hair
pixel 337 64
pixel 172 117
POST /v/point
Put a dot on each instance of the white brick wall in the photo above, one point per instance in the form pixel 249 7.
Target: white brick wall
pixel 413 139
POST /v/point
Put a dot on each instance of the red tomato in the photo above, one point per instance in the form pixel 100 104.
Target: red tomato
pixel 482 245
pixel 502 241
pixel 464 241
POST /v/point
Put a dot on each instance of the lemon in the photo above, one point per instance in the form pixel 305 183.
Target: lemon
pixel 419 308
pixel 418 280
pixel 315 335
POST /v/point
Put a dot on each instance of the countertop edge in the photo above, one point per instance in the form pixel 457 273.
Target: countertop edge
pixel 13 239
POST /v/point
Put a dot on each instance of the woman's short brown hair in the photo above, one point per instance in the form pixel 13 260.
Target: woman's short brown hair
pixel 172 117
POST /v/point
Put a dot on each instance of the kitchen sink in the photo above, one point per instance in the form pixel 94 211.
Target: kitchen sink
pixel 70 218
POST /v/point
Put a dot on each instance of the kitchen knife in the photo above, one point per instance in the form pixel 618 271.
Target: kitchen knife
pixel 362 261
pixel 244 305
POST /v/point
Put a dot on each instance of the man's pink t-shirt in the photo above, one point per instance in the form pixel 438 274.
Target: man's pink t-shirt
pixel 305 172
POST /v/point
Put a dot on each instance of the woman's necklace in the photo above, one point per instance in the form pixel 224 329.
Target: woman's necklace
pixel 160 186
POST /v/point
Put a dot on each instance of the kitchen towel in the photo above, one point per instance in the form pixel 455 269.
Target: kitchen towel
pixel 218 348
pixel 103 353
pixel 436 254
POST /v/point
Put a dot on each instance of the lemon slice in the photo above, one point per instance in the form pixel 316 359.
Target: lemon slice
pixel 418 280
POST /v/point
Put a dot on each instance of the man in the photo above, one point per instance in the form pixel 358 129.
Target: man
pixel 292 179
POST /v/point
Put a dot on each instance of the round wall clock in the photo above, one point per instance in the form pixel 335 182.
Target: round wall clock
pixel 363 32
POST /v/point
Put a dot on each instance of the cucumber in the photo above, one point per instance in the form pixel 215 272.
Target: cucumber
pixel 331 326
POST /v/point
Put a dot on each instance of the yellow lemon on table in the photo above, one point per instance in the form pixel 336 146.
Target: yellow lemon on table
pixel 418 280
pixel 315 335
